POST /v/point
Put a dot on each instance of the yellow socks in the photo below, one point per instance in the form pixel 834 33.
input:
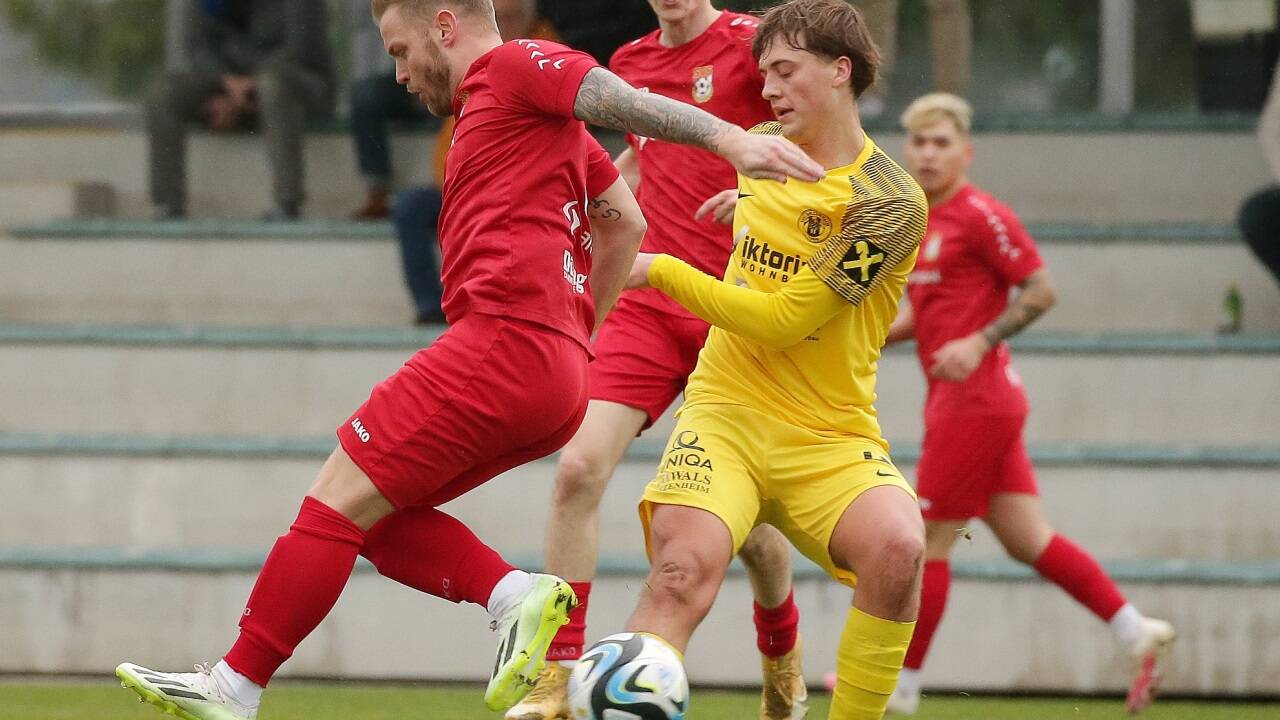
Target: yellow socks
pixel 867 665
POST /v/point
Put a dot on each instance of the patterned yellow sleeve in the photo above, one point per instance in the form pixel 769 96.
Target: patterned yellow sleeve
pixel 878 233
pixel 775 320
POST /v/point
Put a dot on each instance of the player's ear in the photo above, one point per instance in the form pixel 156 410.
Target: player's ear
pixel 445 27
pixel 841 71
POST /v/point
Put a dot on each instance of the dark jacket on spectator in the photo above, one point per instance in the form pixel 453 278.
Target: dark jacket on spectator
pixel 245 36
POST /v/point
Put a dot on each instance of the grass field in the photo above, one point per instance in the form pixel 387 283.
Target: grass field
pixel 107 701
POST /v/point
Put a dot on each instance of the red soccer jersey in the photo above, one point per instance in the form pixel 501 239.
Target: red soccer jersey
pixel 717 73
pixel 514 239
pixel 974 251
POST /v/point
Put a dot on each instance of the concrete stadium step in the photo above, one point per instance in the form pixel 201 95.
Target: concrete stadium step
pixel 1138 502
pixel 85 610
pixel 32 202
pixel 219 381
pixel 343 273
pixel 1083 169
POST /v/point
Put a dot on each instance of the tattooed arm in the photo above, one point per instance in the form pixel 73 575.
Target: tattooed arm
pixel 604 99
pixel 1035 296
pixel 617 227
pixel 957 359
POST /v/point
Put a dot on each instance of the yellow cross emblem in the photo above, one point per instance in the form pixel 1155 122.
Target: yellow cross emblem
pixel 864 260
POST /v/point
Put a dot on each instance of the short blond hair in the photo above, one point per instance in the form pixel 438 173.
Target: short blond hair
pixel 478 7
pixel 930 109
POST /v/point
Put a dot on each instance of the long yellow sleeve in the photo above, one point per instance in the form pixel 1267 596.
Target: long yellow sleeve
pixel 776 320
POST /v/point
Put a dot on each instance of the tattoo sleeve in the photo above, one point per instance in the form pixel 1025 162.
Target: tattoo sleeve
pixel 606 100
pixel 1029 305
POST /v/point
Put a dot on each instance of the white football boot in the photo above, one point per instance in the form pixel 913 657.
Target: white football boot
pixel 1148 654
pixel 190 696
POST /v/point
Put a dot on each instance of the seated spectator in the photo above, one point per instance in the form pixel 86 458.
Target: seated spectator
pixel 1260 216
pixel 259 63
pixel 416 211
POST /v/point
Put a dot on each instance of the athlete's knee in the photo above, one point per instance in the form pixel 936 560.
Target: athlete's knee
pixel 899 557
pixel 1026 548
pixel 684 577
pixel 686 571
pixel 344 487
pixel 581 477
pixel 765 547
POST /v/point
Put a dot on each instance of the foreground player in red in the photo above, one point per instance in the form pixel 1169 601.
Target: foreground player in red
pixel 974 463
pixel 648 344
pixel 507 383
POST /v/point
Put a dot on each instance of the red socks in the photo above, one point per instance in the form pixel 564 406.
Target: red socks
pixel 569 642
pixel 308 567
pixel 298 586
pixel 1074 570
pixel 776 628
pixel 933 601
pixel 430 551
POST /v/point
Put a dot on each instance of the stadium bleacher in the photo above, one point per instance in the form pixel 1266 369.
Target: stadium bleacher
pixel 171 389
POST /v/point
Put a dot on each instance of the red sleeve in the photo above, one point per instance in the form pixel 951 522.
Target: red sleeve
pixel 601 172
pixel 1003 243
pixel 540 75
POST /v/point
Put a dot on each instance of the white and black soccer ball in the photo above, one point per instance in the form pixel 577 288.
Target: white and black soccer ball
pixel 629 676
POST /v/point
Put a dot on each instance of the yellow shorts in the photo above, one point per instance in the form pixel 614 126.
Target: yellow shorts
pixel 747 468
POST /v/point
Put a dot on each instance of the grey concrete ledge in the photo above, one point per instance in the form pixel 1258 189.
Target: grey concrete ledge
pixel 222 560
pixel 645 449
pixel 412 338
pixel 116 116
pixel 209 229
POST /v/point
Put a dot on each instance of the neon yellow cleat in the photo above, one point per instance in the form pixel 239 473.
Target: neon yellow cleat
pixel 524 634
pixel 190 696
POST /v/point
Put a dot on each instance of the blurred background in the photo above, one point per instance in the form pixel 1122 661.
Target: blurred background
pixel 170 375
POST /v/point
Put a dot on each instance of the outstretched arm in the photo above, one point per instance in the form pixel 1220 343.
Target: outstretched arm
pixel 606 100
pixel 776 320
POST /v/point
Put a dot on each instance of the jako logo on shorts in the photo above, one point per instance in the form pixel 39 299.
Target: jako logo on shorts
pixel 360 431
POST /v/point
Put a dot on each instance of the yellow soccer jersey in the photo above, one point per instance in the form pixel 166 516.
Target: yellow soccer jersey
pixel 838 251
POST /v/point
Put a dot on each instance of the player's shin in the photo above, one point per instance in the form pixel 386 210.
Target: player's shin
pixel 298 586
pixel 430 551
pixel 934 587
pixel 869 659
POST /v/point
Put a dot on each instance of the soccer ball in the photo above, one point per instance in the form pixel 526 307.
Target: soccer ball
pixel 629 676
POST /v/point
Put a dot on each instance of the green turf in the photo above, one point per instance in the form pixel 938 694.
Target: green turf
pixel 102 701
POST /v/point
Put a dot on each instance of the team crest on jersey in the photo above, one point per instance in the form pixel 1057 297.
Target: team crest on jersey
pixel 815 226
pixel 933 246
pixel 703 88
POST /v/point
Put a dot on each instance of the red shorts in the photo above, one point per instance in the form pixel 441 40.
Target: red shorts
pixel 644 357
pixel 968 458
pixel 488 395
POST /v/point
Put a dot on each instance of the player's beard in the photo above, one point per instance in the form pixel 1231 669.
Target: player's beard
pixel 435 84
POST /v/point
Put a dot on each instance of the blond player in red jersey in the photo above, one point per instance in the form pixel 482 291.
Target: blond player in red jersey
pixel 649 344
pixel 974 463
pixel 507 383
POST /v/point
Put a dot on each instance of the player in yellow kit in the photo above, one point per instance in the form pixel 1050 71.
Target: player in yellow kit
pixel 778 423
